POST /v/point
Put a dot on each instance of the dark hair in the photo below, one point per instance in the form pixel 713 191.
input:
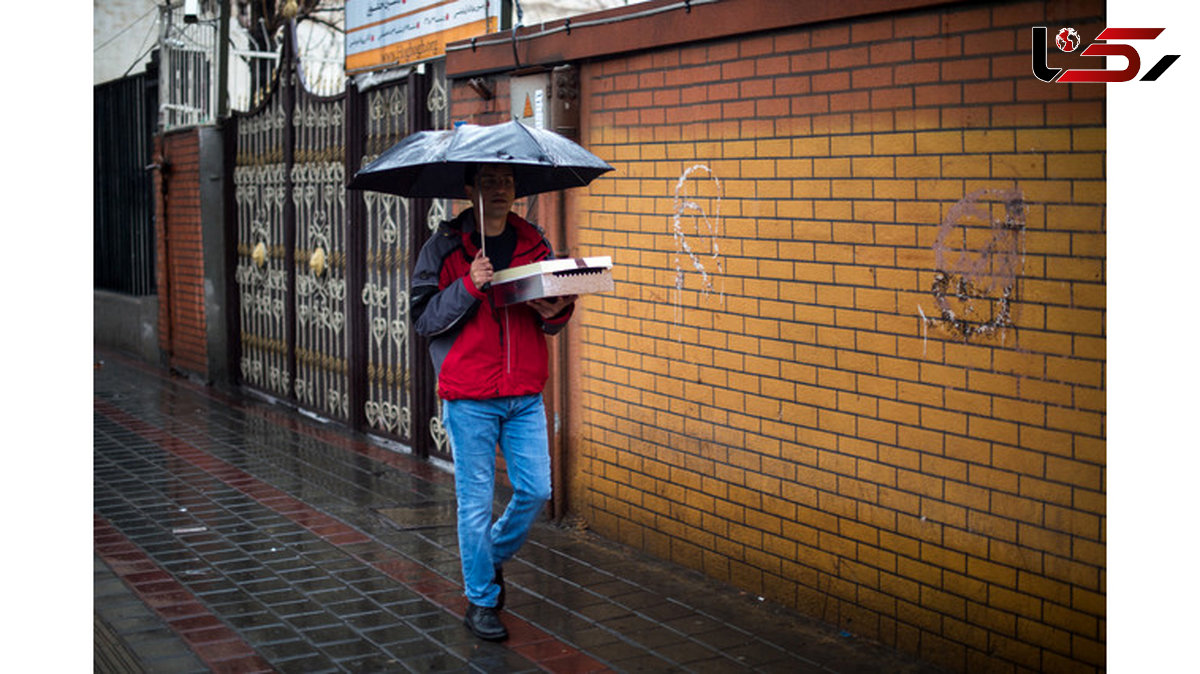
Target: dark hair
pixel 470 171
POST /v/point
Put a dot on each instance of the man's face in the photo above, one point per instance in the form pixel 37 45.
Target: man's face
pixel 497 188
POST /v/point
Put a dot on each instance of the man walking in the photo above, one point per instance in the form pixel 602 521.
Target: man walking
pixel 492 365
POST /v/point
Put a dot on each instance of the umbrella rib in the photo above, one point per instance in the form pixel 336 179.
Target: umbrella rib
pixel 479 218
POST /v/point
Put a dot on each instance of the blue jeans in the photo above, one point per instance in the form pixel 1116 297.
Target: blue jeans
pixel 518 424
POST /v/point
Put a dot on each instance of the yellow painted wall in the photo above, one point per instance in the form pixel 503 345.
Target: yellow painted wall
pixel 855 361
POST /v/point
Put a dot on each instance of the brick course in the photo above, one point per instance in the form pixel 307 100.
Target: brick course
pixel 180 265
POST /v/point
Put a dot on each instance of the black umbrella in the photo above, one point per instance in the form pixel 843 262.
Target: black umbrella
pixel 432 163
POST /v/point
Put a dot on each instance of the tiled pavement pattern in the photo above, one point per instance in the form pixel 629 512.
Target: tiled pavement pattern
pixel 232 535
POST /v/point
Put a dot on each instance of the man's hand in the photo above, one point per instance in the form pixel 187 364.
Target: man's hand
pixel 550 307
pixel 481 271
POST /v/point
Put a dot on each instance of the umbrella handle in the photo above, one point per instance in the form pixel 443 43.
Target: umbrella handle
pixel 482 234
pixel 479 226
pixel 479 218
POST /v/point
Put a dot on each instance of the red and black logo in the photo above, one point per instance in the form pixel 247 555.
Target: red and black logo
pixel 1067 40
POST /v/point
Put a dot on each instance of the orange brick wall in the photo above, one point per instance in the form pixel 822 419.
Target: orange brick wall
pixel 783 392
pixel 180 266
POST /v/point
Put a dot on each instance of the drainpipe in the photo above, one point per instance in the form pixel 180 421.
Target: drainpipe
pixel 160 166
pixel 223 47
pixel 564 115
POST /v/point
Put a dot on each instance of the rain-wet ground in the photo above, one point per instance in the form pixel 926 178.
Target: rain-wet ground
pixel 235 535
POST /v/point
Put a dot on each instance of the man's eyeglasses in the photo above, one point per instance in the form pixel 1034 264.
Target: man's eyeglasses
pixel 495 182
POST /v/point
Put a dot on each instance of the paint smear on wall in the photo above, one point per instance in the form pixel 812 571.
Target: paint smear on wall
pixel 979 254
pixel 696 226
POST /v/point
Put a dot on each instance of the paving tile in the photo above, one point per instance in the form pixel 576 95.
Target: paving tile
pixel 407 606
pixel 719 665
pixel 303 661
pixel 357 606
pixel 372 662
pixel 433 621
pixel 604 613
pixel 281 650
pixel 307 621
pixel 756 655
pixel 200 628
pixel 666 610
pixel 647 662
pixel 374 584
pixel 222 651
pixel 143 621
pixel 228 594
pixel 792 666
pixel 330 634
pixel 617 651
pixel 251 621
pixel 725 638
pixel 351 650
pixel 176 664
pixel 435 664
pixel 388 635
pixel 685 652
pixel 317 582
pixel 269 634
pixel 589 637
pixel 278 597
pixel 574 600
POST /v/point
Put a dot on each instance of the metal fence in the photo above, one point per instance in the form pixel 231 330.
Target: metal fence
pixel 123 200
pixel 187 69
pixel 191 52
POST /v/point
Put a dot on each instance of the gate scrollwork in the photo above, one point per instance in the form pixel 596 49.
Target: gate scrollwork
pixel 259 191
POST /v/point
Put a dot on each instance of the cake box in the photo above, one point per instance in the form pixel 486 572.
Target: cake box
pixel 552 278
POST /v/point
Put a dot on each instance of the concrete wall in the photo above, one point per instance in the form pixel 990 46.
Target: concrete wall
pixel 219 302
pixel 127 324
pixel 123 31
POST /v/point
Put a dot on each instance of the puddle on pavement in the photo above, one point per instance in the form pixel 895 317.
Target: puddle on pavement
pixel 420 515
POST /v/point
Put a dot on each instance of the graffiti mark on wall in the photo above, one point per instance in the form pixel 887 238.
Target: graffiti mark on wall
pixel 979 255
pixel 692 195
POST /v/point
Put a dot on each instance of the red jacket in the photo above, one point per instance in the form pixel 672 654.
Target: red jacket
pixel 480 351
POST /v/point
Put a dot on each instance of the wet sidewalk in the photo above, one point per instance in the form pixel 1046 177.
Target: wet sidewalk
pixel 232 535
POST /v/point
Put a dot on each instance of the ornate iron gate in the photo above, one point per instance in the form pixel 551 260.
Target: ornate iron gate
pixel 385 289
pixel 318 179
pixel 263 281
pixel 323 273
pixel 437 108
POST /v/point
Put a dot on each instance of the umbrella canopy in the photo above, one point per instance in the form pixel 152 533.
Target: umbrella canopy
pixel 432 163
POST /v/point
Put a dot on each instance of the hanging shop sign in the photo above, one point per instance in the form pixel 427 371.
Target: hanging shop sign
pixel 389 33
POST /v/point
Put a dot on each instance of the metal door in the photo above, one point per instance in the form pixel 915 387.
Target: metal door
pixel 263 245
pixel 289 176
pixel 318 178
pixel 387 408
pixel 398 387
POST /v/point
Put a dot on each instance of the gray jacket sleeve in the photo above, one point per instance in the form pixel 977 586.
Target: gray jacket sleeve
pixel 435 311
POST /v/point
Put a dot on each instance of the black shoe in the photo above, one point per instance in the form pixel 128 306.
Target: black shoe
pixel 484 623
pixel 499 580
